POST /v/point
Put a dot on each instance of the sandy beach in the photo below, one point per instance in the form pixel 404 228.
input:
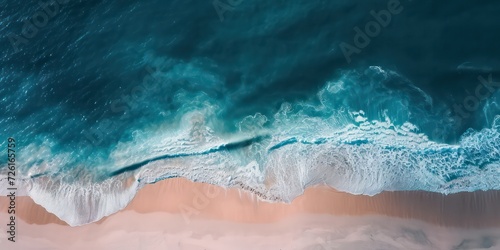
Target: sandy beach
pixel 177 211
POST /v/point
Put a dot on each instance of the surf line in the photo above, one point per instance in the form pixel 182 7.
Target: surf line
pixel 227 147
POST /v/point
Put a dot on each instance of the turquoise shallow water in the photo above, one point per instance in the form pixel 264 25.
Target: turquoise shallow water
pixel 101 91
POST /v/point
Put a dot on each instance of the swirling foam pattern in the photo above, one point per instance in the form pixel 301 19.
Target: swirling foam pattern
pixel 264 100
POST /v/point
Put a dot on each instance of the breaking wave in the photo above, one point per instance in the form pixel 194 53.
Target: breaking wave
pixel 381 143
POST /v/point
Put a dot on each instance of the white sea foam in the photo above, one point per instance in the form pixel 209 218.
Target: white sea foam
pixel 364 159
pixel 276 158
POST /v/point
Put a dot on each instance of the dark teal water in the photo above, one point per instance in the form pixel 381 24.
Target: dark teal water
pixel 106 88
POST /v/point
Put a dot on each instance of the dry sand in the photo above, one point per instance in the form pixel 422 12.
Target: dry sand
pixel 179 207
pixel 200 200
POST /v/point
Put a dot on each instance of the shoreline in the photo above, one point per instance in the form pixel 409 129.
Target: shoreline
pixel 191 200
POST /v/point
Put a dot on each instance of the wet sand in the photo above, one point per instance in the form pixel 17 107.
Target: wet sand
pixel 199 200
pixel 188 204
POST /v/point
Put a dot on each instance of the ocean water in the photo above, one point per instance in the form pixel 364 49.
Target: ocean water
pixel 104 97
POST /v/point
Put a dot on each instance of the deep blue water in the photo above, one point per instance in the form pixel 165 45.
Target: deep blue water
pixel 184 88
